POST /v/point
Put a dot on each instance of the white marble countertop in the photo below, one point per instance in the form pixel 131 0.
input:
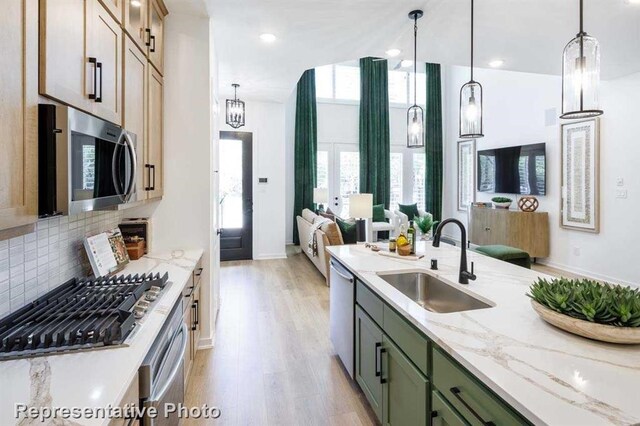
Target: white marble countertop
pixel 96 378
pixel 549 376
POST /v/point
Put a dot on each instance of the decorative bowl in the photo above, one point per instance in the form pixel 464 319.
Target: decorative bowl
pixel 601 332
pixel 504 205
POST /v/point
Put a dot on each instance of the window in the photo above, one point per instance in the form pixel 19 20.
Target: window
pixel 349 178
pixel 338 82
pixel 397 87
pixel 231 183
pixel 418 179
pixel 322 169
pixel 324 82
pixel 466 173
pixel 396 180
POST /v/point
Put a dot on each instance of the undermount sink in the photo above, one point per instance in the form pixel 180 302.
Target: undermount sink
pixel 432 293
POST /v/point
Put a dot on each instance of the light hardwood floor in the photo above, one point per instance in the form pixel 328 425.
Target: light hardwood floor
pixel 273 362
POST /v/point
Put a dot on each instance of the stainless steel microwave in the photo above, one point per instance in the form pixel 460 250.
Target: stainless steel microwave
pixel 84 163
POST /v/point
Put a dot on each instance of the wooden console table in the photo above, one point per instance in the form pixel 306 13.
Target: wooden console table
pixel 526 231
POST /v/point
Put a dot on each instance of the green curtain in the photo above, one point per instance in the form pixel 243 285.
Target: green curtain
pixel 375 156
pixel 306 145
pixel 433 143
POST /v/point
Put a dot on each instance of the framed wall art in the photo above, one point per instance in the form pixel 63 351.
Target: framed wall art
pixel 580 175
pixel 466 173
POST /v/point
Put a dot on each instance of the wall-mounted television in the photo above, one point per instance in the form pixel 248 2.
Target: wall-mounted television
pixel 513 170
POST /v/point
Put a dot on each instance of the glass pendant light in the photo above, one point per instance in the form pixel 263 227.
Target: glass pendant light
pixel 415 114
pixel 581 76
pixel 235 109
pixel 471 102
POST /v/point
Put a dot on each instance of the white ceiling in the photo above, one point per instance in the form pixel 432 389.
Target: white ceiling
pixel 528 35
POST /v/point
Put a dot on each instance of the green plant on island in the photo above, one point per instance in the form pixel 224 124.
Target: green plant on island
pixel 501 200
pixel 589 300
pixel 424 223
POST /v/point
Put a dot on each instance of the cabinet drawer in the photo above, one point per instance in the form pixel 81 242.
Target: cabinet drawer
pixel 442 413
pixel 369 302
pixel 477 404
pixel 408 339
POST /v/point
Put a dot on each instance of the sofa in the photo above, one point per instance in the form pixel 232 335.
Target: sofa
pixel 326 235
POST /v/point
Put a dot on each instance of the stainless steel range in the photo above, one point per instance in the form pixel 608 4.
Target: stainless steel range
pixel 80 314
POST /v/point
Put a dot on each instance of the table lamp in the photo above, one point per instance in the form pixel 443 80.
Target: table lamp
pixel 361 209
pixel 320 197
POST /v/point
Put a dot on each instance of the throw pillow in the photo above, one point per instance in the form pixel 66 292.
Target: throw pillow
pixel 329 216
pixel 348 231
pixel 411 210
pixel 332 232
pixel 378 213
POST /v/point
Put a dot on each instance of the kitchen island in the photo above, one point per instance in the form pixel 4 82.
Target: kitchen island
pixel 100 377
pixel 543 374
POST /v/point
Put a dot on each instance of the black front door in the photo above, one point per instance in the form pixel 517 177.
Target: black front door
pixel 236 196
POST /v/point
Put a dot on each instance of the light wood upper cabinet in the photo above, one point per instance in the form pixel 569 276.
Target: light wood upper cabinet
pixel 18 116
pixel 63 64
pixel 157 13
pixel 135 21
pixel 135 105
pixel 154 163
pixel 115 7
pixel 104 43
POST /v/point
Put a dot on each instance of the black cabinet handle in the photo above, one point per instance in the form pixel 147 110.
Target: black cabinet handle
pixel 382 379
pixel 94 95
pixel 194 322
pixel 153 46
pixel 99 66
pixel 148 42
pixel 377 361
pixel 434 414
pixel 197 305
pixel 148 187
pixel 456 392
pixel 199 272
pixel 153 186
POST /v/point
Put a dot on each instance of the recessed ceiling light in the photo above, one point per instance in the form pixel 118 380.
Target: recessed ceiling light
pixel 496 63
pixel 267 37
pixel 633 1
pixel 135 3
pixel 406 63
pixel 392 53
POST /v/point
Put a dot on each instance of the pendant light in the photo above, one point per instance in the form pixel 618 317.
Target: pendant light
pixel 415 114
pixel 471 102
pixel 235 109
pixel 581 75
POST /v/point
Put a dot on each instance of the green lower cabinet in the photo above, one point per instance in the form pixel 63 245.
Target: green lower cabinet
pixel 368 363
pixel 405 395
pixel 442 414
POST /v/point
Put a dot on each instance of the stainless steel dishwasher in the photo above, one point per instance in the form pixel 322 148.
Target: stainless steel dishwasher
pixel 341 313
pixel 162 371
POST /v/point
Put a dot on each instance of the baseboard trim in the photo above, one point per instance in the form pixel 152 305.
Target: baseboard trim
pixel 586 273
pixel 205 343
pixel 270 256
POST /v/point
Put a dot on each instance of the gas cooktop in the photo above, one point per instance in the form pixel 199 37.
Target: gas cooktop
pixel 79 314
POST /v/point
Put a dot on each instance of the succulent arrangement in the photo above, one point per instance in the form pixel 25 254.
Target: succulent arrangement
pixel 589 300
pixel 501 200
pixel 424 223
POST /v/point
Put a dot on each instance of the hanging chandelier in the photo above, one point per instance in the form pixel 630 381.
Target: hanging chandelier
pixel 581 75
pixel 415 114
pixel 471 102
pixel 235 109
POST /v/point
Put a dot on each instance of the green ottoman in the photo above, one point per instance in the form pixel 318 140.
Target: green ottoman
pixel 508 254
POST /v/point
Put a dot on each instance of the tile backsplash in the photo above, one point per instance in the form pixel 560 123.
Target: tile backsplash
pixel 33 264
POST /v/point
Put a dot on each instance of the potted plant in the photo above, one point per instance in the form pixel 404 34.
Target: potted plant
pixel 605 312
pixel 424 223
pixel 502 202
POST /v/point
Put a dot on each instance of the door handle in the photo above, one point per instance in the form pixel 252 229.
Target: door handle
pixel 456 392
pixel 148 42
pixel 99 67
pixel 382 379
pixel 218 231
pixel 153 185
pixel 134 166
pixel 148 187
pixel 377 361
pixel 94 95
pixel 153 47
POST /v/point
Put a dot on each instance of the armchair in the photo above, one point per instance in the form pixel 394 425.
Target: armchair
pixel 391 225
pixel 403 219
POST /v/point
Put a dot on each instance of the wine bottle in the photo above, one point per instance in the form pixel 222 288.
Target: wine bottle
pixel 411 236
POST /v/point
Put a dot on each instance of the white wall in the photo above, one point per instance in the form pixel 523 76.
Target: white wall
pixel 183 219
pixel 266 121
pixel 515 107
